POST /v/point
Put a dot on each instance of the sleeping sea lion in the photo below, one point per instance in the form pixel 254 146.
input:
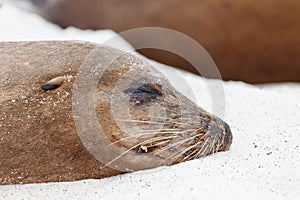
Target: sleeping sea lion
pixel 75 110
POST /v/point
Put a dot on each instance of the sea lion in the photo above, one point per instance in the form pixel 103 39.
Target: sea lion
pixel 50 117
pixel 252 41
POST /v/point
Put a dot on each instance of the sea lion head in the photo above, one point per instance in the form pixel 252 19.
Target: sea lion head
pixel 73 110
pixel 140 112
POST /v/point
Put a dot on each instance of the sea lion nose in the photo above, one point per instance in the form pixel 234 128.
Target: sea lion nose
pixel 227 137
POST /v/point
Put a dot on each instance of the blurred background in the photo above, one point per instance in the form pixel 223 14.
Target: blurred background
pixel 251 41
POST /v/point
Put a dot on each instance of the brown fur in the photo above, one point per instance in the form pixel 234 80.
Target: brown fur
pixel 38 138
pixel 253 41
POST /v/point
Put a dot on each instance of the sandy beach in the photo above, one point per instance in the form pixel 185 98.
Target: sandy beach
pixel 263 162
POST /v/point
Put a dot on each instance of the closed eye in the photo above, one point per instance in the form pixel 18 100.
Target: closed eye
pixel 149 88
pixel 145 93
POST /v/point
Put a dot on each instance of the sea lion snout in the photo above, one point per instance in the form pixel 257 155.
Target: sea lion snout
pixel 221 134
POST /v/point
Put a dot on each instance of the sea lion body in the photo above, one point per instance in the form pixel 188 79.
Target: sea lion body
pixel 39 140
pixel 251 41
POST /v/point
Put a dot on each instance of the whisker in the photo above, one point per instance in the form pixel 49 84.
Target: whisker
pixel 129 137
pixel 149 122
pixel 217 146
pixel 157 144
pixel 177 143
pixel 204 153
pixel 188 148
pixel 202 148
pixel 179 152
pixel 212 149
pixel 175 134
pixel 223 138
pixel 191 155
pixel 128 150
pixel 170 129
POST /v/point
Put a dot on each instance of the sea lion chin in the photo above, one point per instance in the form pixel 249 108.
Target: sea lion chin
pixel 73 110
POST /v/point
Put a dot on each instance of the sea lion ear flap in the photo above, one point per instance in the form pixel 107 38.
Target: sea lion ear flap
pixel 54 83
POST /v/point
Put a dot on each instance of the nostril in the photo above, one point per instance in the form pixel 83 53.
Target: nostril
pixel 227 137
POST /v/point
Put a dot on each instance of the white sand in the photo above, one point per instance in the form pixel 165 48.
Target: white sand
pixel 263 162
